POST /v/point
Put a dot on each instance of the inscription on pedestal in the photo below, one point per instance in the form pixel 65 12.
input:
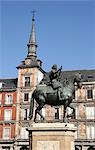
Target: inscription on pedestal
pixel 47 145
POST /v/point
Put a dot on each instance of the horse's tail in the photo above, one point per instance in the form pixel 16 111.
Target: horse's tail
pixel 31 107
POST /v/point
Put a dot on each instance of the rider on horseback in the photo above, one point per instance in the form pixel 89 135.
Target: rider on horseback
pixel 54 76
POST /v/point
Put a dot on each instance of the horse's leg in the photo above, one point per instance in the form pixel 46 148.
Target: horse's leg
pixel 66 104
pixel 37 111
pixel 64 116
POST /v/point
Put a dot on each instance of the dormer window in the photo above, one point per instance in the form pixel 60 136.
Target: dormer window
pixel 27 81
pixel 1 85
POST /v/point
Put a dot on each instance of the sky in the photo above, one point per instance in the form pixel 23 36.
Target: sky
pixel 65 33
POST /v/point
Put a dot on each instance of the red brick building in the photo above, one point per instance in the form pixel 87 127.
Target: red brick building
pixel 8 99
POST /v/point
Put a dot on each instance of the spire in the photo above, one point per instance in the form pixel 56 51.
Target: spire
pixel 32 40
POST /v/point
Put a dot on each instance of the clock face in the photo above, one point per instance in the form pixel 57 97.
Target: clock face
pixel 27 61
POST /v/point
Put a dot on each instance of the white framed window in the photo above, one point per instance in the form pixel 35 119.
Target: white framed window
pixel 26 97
pixel 2 85
pixel 76 112
pixel 69 111
pixel 43 112
pixel 56 112
pixel 9 99
pixel 25 114
pixel 90 112
pixel 89 93
pixel 91 132
pixel 6 132
pixel 27 81
pixel 7 114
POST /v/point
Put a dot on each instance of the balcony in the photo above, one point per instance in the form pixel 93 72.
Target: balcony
pixel 7 121
pixel 8 102
pixel 10 140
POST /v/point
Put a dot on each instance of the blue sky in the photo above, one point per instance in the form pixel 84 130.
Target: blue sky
pixel 65 33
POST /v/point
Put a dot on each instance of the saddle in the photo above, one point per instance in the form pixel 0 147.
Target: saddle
pixel 50 90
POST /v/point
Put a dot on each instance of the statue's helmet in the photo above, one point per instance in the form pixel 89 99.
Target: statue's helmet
pixel 54 66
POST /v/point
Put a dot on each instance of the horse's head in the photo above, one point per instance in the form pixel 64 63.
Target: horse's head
pixel 78 80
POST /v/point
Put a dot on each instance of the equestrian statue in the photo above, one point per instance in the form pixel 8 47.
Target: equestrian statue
pixel 54 93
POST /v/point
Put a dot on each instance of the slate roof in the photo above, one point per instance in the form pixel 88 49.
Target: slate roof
pixel 34 63
pixel 87 75
pixel 9 83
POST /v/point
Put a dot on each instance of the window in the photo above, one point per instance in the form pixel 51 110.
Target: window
pixel 26 114
pixel 6 148
pixel 26 96
pixel 56 113
pixel 89 94
pixel 8 99
pixel 6 133
pixel 90 112
pixel 24 148
pixel 2 85
pixel 91 132
pixel 71 112
pixel 27 81
pixel 91 148
pixel 78 147
pixel 43 111
pixel 7 115
pixel 25 117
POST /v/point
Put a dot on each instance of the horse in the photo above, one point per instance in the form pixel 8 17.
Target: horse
pixel 44 94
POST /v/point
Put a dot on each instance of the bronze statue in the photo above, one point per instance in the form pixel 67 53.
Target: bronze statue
pixel 54 76
pixel 55 73
pixel 48 94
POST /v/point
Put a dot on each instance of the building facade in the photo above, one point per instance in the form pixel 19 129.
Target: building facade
pixel 84 104
pixel 8 100
pixel 15 96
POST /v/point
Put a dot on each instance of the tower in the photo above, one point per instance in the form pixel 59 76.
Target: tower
pixel 30 74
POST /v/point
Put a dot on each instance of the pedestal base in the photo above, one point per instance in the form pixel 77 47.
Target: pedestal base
pixel 51 136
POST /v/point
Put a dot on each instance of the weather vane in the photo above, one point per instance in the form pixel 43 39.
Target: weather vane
pixel 33 14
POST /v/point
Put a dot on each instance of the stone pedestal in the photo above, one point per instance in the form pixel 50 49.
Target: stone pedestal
pixel 51 136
